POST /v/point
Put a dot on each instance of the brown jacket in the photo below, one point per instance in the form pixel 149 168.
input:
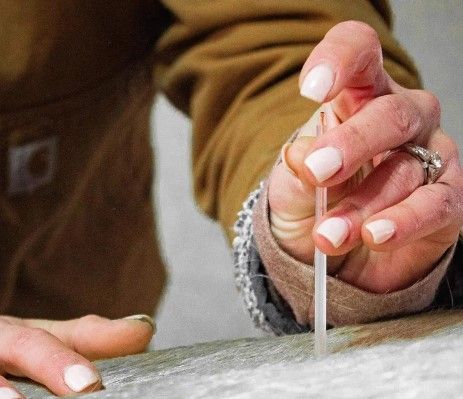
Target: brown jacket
pixel 77 80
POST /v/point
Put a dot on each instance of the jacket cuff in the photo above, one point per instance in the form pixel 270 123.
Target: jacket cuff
pixel 267 309
pixel 450 292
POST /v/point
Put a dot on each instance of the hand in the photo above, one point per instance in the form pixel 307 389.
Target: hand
pixel 57 354
pixel 368 114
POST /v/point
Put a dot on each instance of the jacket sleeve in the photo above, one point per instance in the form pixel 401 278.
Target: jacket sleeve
pixel 233 67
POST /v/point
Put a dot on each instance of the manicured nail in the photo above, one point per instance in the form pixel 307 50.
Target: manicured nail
pixel 381 230
pixel 335 230
pixel 324 163
pixel 318 82
pixel 9 393
pixel 142 317
pixel 79 377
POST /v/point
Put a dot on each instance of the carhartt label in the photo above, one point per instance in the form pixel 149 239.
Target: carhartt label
pixel 31 166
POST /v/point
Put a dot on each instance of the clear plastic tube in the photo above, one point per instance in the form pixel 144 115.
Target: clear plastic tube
pixel 320 265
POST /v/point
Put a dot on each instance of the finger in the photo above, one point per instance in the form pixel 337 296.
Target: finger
pixel 292 203
pixel 97 337
pixel 348 57
pixel 290 200
pixel 429 209
pixel 7 391
pixel 383 124
pixel 296 153
pixel 339 231
pixel 38 355
pixel 430 218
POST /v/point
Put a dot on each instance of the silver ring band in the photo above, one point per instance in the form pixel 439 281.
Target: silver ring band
pixel 431 161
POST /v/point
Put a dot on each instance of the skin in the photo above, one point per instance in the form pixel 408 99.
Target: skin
pixel 42 349
pixel 427 217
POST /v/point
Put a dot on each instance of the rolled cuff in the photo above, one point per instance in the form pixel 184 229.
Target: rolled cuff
pixel 267 309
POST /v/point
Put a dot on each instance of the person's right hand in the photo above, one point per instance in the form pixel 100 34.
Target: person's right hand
pixel 57 354
pixel 386 229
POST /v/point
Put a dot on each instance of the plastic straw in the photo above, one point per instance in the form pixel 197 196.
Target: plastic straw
pixel 320 265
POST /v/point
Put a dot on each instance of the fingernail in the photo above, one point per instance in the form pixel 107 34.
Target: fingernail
pixel 79 377
pixel 335 230
pixel 9 393
pixel 324 163
pixel 142 317
pixel 284 151
pixel 318 82
pixel 381 230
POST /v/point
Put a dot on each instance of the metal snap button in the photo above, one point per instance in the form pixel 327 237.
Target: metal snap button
pixel 31 165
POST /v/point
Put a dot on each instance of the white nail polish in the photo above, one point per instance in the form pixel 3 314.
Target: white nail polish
pixel 78 377
pixel 381 230
pixel 318 82
pixel 324 163
pixel 334 230
pixel 9 393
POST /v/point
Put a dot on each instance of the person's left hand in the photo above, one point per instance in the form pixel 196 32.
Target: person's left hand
pixel 387 231
pixel 58 354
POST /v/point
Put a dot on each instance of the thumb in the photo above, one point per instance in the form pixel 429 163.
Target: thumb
pixel 346 68
pixel 291 196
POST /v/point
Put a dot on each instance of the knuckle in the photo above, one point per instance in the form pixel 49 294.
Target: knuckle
pixel 448 149
pixel 347 131
pixel 360 28
pixel 444 200
pixel 446 206
pixel 453 153
pixel 401 114
pixel 358 35
pixel 407 173
pixel 355 205
pixel 26 337
pixel 355 143
pixel 23 340
pixel 90 319
pixel 351 203
pixel 84 322
pixel 434 105
pixel 64 356
pixel 450 145
pixel 413 219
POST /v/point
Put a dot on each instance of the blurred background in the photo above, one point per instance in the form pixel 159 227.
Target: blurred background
pixel 202 303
